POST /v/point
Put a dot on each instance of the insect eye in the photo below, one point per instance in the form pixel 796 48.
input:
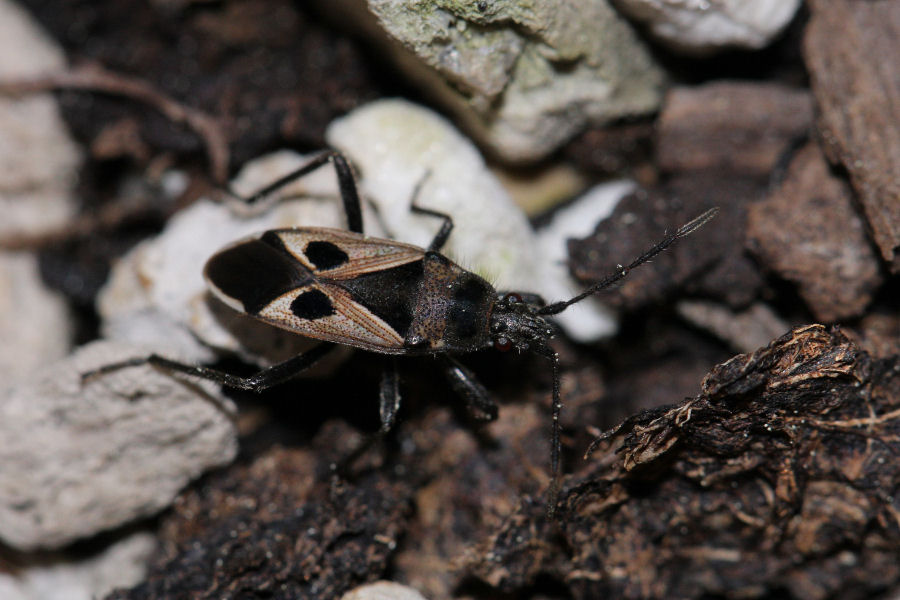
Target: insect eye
pixel 503 344
pixel 512 298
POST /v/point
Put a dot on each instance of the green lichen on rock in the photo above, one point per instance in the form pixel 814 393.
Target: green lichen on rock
pixel 526 76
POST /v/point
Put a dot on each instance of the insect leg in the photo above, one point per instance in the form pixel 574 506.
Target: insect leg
pixel 266 378
pixel 443 233
pixel 346 184
pixel 555 443
pixel 464 383
pixel 446 227
pixel 389 397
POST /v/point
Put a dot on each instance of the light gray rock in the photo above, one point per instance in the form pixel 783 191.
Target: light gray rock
pixel 82 457
pixel 38 159
pixel 522 77
pixel 703 27
pixel 122 564
pixel 35 323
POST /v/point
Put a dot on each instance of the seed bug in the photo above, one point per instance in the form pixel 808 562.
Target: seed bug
pixel 383 296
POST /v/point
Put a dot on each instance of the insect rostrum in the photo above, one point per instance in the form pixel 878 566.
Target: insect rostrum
pixel 383 296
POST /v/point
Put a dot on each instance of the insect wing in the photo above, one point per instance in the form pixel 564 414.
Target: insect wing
pixel 341 255
pixel 330 313
pixel 323 283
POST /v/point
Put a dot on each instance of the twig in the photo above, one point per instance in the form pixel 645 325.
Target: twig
pixel 95 78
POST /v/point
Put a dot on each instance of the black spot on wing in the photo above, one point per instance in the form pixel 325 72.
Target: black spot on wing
pixel 325 255
pixel 256 272
pixel 312 304
pixel 390 294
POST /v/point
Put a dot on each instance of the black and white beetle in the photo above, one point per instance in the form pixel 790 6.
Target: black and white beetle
pixel 383 296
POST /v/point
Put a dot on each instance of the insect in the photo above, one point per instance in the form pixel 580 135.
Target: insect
pixel 344 288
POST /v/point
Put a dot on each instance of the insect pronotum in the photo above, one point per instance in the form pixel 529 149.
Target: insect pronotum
pixel 383 296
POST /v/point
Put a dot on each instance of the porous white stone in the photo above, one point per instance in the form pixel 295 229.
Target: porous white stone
pixel 703 27
pixel 80 457
pixel 383 590
pixel 398 145
pixel 38 159
pixel 123 564
pixel 35 324
pixel 522 77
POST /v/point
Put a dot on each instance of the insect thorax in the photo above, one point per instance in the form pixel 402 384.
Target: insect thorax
pixel 452 310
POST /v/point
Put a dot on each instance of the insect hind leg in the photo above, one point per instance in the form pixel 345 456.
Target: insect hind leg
pixel 258 382
pixel 346 184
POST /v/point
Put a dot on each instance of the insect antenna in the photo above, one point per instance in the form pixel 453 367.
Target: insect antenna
pixel 621 272
pixel 549 353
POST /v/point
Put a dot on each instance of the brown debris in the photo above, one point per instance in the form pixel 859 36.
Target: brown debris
pixel 644 368
pixel 731 126
pixel 878 334
pixel 470 488
pixel 744 330
pixel 617 148
pixel 710 261
pixel 718 145
pixel 271 529
pixel 809 233
pixel 850 50
pixel 778 479
pixel 268 74
pixel 780 475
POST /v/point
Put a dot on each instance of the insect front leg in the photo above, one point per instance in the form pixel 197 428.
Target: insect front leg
pixel 258 382
pixel 555 436
pixel 464 383
pixel 346 184
pixel 443 233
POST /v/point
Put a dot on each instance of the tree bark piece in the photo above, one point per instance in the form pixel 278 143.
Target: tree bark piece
pixel 850 51
pixel 809 233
